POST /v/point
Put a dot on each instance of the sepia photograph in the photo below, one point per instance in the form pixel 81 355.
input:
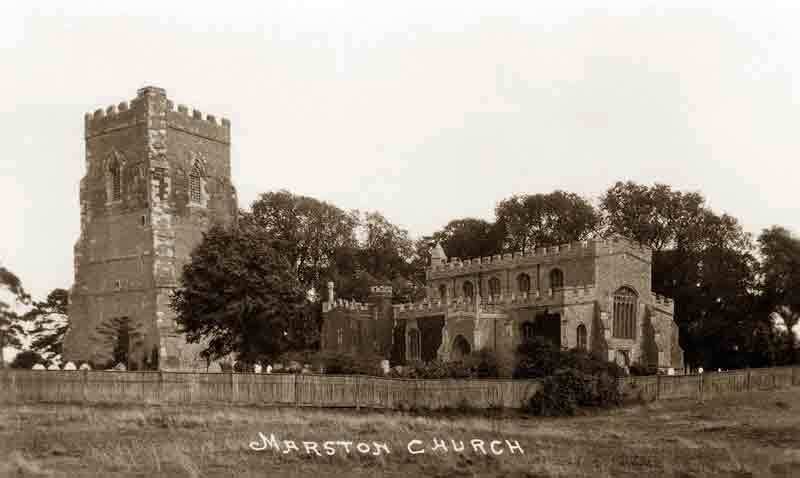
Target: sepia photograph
pixel 400 238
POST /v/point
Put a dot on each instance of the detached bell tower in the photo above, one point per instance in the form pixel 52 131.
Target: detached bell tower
pixel 156 178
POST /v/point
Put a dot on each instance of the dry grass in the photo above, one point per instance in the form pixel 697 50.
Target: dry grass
pixel 755 434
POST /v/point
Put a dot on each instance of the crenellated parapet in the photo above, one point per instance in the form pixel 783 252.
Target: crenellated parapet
pixel 664 303
pixel 499 304
pixel 346 305
pixel 194 122
pixel 540 255
pixel 152 102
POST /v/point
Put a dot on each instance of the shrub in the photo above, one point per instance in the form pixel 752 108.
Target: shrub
pixel 348 364
pixel 568 389
pixel 537 358
pixel 639 370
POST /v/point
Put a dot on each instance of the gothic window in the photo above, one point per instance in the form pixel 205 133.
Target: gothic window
pixel 581 337
pixel 413 344
pixel 556 279
pixel 115 179
pixel 196 184
pixel 528 331
pixel 494 288
pixel 468 289
pixel 625 302
pixel 524 283
pixel 443 292
pixel 339 336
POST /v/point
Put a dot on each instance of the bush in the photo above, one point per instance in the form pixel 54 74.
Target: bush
pixel 348 364
pixel 537 358
pixel 639 370
pixel 568 389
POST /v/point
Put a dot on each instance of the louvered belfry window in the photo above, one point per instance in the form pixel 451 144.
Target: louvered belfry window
pixel 195 184
pixel 116 181
pixel 625 304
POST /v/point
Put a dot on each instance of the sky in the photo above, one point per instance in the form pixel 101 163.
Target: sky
pixel 424 111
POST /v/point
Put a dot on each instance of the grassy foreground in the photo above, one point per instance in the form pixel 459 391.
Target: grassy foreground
pixel 754 434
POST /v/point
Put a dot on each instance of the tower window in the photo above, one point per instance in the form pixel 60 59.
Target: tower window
pixel 195 184
pixel 115 179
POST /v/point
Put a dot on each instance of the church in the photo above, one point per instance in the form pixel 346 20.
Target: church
pixel 592 295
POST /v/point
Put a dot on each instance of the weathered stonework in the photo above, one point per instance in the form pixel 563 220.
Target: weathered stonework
pixel 569 297
pixel 132 247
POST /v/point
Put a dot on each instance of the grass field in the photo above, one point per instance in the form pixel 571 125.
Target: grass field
pixel 751 434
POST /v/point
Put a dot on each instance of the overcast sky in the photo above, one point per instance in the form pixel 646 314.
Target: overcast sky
pixel 425 111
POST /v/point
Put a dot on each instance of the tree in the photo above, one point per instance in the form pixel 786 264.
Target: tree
pixel 240 295
pixel 703 260
pixel 49 323
pixel 307 231
pixel 465 238
pixel 529 220
pixel 10 322
pixel 27 359
pixel 780 269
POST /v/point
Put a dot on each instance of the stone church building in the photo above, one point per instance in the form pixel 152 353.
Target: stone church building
pixel 593 295
pixel 156 178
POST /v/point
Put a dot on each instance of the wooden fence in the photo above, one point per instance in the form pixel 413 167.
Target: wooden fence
pixel 17 386
pixel 20 386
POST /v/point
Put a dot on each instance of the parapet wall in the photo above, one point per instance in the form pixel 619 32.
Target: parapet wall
pixel 127 114
pixel 531 256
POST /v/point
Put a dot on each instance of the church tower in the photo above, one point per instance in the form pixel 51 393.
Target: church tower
pixel 156 178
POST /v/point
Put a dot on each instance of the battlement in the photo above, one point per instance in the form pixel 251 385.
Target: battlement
pixel 664 303
pixel 343 304
pixel 152 102
pixel 498 304
pixel 530 256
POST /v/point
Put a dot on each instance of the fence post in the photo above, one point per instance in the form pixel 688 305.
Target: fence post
pixel 296 390
pixel 84 385
pixel 658 386
pixel 356 391
pixel 161 386
pixel 701 387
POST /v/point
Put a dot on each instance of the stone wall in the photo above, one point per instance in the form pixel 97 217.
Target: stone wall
pixel 131 251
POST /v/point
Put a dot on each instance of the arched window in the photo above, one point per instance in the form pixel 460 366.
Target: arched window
pixel 443 292
pixel 196 184
pixel 556 279
pixel 468 289
pixel 115 178
pixel 524 283
pixel 494 288
pixel 625 302
pixel 413 344
pixel 528 331
pixel 581 337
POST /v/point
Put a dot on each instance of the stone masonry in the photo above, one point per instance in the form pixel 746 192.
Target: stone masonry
pixel 156 178
pixel 593 295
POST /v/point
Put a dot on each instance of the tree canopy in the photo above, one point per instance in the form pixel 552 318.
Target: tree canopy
pixel 240 295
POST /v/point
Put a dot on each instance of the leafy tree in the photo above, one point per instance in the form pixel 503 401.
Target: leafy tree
pixel 240 295
pixel 49 323
pixel 464 238
pixel 545 219
pixel 780 268
pixel 10 322
pixel 307 231
pixel 27 359
pixel 703 260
